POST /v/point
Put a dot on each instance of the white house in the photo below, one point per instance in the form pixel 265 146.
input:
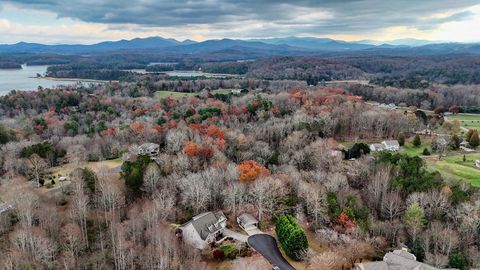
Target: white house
pixel 391 145
pixel 377 147
pixel 204 229
pixel 151 149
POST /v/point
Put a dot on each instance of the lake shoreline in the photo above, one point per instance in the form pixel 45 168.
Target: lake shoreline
pixel 73 79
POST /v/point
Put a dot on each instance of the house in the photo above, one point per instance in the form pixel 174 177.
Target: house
pixel 391 145
pixel 397 259
pixel 150 149
pixel 443 141
pixel 377 147
pixel 204 229
pixel 246 221
pixel 465 144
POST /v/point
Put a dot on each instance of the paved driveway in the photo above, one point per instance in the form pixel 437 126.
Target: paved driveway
pixel 235 235
pixel 252 230
pixel 267 246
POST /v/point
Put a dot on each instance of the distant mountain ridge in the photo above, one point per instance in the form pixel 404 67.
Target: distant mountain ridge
pixel 269 46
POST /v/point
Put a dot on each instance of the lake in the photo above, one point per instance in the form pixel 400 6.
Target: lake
pixel 186 73
pixel 25 79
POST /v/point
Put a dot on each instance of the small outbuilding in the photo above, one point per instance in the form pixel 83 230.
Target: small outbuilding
pixel 246 221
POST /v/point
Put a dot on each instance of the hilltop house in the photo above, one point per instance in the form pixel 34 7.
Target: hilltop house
pixel 390 145
pixel 397 259
pixel 204 229
pixel 150 149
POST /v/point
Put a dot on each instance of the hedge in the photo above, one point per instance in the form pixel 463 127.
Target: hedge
pixel 291 236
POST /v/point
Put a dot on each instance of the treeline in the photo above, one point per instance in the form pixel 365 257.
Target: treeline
pixel 9 65
pixel 310 69
pixel 465 96
pixel 416 71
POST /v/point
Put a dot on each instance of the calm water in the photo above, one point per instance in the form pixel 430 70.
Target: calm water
pixel 25 79
pixel 185 73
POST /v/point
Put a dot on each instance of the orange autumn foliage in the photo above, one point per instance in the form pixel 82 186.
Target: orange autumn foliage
pixel 214 131
pixel 345 221
pixel 250 170
pixel 191 149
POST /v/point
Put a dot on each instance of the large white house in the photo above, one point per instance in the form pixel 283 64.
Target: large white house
pixel 389 145
pixel 204 229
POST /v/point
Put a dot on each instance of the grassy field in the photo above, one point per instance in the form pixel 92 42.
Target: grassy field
pixel 455 167
pixel 221 91
pixel 174 95
pixel 411 150
pixel 467 120
pixel 66 169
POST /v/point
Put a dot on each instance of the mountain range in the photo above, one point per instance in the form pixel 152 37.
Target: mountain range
pixel 269 46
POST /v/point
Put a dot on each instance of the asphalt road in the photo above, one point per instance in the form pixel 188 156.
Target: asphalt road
pixel 267 246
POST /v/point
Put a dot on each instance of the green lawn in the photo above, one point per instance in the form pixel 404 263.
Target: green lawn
pixel 172 94
pixel 467 120
pixel 411 150
pixel 455 167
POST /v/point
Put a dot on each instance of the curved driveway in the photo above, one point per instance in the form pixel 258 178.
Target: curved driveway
pixel 267 246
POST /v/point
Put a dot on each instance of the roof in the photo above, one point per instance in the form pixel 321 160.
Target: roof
pixel 246 219
pixel 391 143
pixel 396 260
pixel 378 146
pixel 207 223
pixel 373 266
pixel 149 146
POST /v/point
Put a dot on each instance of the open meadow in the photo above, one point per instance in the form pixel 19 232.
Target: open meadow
pixel 455 167
pixel 467 121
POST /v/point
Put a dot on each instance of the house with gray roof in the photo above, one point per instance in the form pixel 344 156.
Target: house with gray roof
pixel 399 259
pixel 391 145
pixel 204 229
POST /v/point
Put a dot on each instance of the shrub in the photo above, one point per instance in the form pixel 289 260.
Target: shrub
pixel 230 251
pixel 416 141
pixel 426 152
pixel 357 150
pixel 218 254
pixel 401 139
pixel 89 178
pixel 458 260
pixel 132 173
pixel 291 236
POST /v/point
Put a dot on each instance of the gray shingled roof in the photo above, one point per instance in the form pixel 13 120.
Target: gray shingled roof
pixel 207 223
pixel 391 143
pixel 246 219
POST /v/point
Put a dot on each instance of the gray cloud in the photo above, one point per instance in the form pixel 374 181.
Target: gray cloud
pixel 267 17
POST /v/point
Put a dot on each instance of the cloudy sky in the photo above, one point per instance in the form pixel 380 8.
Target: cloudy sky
pixel 90 21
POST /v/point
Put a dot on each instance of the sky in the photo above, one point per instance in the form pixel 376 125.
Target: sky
pixel 91 21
